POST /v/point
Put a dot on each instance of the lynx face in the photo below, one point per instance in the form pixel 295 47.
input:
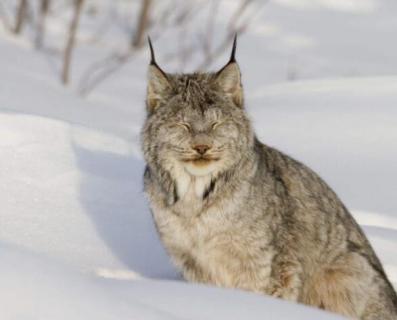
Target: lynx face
pixel 196 122
pixel 202 139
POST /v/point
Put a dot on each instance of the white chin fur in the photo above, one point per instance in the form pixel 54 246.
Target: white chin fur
pixel 200 171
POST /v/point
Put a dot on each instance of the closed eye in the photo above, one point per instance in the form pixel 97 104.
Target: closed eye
pixel 215 125
pixel 185 125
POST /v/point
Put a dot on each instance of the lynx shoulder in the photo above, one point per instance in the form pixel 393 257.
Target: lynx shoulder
pixel 236 213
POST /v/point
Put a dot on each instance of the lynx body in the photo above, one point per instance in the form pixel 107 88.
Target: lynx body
pixel 236 213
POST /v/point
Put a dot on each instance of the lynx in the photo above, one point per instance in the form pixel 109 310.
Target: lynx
pixel 235 213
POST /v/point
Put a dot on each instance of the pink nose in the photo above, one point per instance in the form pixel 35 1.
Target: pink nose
pixel 201 148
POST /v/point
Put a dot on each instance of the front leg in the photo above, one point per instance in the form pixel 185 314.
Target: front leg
pixel 191 269
pixel 286 282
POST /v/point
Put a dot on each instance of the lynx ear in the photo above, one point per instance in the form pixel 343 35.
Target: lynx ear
pixel 229 78
pixel 158 82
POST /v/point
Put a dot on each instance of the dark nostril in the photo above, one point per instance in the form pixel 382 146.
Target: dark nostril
pixel 201 148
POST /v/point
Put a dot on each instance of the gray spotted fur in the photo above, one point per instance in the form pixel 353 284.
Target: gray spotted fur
pixel 250 217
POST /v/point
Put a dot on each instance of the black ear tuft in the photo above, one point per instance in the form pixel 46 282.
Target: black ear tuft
pixel 233 55
pixel 152 57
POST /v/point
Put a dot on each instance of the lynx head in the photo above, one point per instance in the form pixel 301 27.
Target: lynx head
pixel 196 122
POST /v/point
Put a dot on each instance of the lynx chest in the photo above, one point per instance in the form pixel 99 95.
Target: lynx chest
pixel 213 241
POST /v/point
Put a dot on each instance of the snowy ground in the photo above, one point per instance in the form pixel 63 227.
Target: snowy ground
pixel 76 237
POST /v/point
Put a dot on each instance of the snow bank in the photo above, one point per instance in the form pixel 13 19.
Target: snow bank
pixel 33 287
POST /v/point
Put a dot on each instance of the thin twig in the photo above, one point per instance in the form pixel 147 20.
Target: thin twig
pixel 40 32
pixel 71 40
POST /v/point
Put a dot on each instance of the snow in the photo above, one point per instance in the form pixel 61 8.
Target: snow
pixel 76 237
pixel 36 288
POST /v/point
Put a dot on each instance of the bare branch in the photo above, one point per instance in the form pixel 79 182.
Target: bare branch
pixel 43 11
pixel 21 16
pixel 71 41
pixel 143 22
